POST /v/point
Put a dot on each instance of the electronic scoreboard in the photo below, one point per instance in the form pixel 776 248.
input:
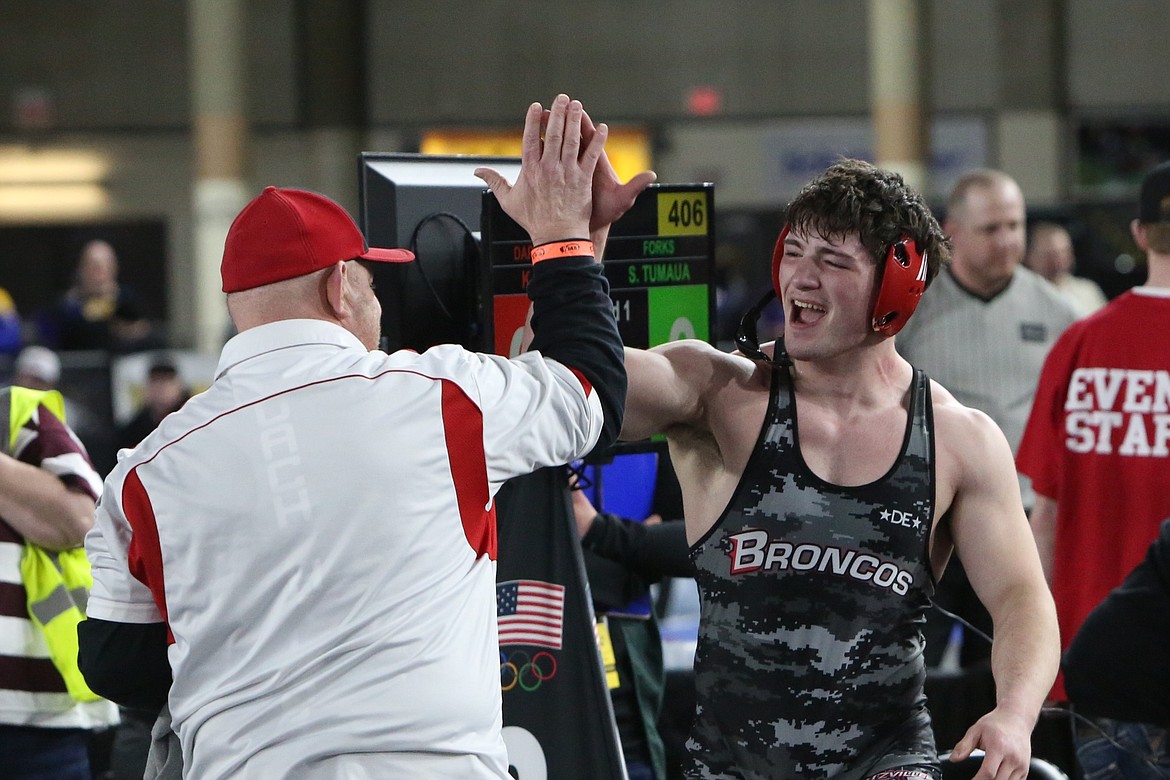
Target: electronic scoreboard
pixel 659 261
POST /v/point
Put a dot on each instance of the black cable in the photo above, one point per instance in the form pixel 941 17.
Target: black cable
pixel 959 619
pixel 577 477
pixel 1073 716
pixel 468 240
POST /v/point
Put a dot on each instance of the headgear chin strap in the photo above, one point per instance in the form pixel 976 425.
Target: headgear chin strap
pixel 903 281
pixel 747 339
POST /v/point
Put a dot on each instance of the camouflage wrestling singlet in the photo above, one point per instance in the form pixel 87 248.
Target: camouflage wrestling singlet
pixel 809 662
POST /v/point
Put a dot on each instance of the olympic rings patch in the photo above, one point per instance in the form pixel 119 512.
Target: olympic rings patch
pixel 518 669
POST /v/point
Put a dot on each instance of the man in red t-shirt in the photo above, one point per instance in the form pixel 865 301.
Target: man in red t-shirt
pixel 1097 443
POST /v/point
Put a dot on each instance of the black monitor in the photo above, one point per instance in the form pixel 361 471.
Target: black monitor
pixel 471 289
pixel 430 204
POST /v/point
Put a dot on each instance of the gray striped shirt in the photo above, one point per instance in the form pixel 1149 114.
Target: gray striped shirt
pixel 988 353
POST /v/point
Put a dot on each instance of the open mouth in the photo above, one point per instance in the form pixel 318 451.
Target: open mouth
pixel 806 313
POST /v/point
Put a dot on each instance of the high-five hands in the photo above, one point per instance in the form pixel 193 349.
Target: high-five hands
pixel 553 195
pixel 611 198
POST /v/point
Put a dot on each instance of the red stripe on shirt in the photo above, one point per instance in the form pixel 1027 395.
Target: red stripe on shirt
pixel 469 464
pixel 584 382
pixel 144 557
pixel 463 431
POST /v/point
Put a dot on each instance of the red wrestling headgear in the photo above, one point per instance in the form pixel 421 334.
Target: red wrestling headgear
pixel 903 281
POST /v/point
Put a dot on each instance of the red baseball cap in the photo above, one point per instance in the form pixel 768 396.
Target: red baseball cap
pixel 283 234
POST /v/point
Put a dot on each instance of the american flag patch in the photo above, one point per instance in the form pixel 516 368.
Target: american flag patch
pixel 530 612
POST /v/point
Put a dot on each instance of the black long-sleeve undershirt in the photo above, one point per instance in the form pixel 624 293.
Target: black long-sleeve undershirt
pixel 108 649
pixel 650 551
pixel 572 323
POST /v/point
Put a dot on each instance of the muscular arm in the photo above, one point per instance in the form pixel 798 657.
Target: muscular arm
pixel 1043 521
pixel 667 386
pixel 993 540
pixel 710 405
pixel 41 507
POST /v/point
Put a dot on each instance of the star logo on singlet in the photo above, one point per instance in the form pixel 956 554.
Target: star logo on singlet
pixel 898 517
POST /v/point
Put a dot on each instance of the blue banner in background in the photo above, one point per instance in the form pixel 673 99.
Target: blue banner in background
pixel 625 487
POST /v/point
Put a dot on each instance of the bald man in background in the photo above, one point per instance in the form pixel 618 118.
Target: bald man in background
pixel 1050 254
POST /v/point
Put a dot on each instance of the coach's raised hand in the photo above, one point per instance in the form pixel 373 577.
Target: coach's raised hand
pixel 552 197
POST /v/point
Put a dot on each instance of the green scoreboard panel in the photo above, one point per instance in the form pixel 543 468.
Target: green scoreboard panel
pixel 660 262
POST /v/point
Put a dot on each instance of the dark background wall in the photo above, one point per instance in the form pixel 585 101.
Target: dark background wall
pixel 1050 90
pixel 122 65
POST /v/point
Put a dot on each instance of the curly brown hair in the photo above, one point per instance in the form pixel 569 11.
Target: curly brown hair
pixel 853 196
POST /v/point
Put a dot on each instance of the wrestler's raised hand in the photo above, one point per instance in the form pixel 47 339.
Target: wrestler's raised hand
pixel 611 198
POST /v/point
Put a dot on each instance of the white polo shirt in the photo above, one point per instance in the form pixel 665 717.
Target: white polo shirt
pixel 317 530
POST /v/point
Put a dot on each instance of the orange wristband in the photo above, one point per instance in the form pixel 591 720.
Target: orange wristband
pixel 575 248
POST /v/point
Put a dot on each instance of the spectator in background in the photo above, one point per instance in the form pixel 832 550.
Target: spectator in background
pixel 11 336
pixel 47 494
pixel 1097 445
pixel 982 331
pixel 39 368
pixel 1050 254
pixel 163 393
pixel 1123 685
pixel 623 558
pixel 97 312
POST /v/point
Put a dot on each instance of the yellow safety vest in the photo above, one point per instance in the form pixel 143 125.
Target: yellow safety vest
pixel 58 583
